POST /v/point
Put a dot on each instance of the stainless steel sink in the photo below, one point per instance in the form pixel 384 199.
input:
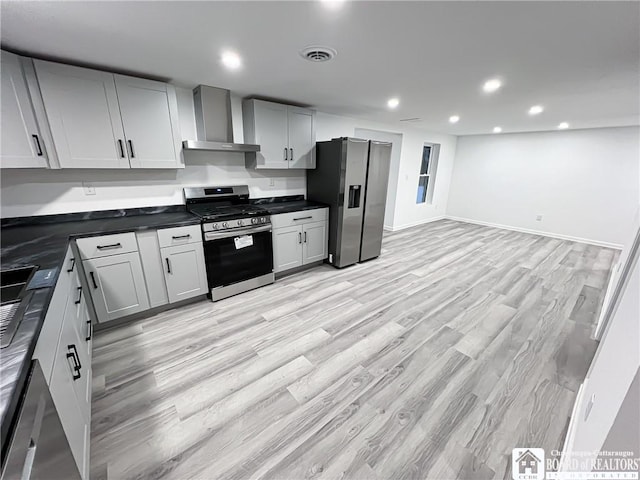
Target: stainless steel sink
pixel 13 300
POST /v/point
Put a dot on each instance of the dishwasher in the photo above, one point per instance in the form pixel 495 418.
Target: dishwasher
pixel 38 448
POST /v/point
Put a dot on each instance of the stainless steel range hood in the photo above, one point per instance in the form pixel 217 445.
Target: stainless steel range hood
pixel 213 122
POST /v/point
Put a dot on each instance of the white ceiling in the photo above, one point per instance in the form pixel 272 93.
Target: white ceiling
pixel 580 60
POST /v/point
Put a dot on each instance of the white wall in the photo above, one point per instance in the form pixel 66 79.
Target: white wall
pixel 41 192
pixel 583 182
pixel 407 212
pixel 616 362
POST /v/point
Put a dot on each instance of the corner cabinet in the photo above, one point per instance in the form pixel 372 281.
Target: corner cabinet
pixel 286 135
pixel 22 143
pixel 102 120
pixel 299 238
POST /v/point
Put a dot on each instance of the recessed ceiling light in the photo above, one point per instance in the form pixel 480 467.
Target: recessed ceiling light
pixel 497 129
pixel 231 60
pixel 333 4
pixel 454 119
pixel 536 109
pixel 563 126
pixel 393 102
pixel 492 85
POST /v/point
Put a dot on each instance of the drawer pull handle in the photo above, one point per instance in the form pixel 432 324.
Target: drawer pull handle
pixel 39 151
pixel 73 265
pixel 286 158
pixel 121 148
pixel 89 330
pixel 93 279
pixel 73 355
pixel 305 237
pixel 106 247
pixel 302 218
pixel 79 295
pixel 131 149
pixel 168 265
pixel 180 237
pixel 299 237
pixel 291 150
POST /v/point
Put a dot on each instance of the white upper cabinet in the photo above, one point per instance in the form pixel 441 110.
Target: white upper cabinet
pixel 149 113
pixel 22 145
pixel 286 134
pixel 82 108
pixel 302 138
pixel 102 120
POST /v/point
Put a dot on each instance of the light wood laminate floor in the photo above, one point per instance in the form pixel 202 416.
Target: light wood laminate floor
pixel 433 361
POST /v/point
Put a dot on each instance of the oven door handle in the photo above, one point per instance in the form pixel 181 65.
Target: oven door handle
pixel 236 233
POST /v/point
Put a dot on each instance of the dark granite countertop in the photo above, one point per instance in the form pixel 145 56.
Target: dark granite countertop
pixel 43 241
pixel 288 204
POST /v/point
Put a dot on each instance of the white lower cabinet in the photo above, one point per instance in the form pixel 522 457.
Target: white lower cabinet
pixel 66 338
pixel 184 271
pixel 117 285
pixel 299 239
pixel 314 242
pixel 287 248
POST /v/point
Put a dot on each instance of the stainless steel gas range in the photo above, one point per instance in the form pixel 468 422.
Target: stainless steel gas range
pixel 238 248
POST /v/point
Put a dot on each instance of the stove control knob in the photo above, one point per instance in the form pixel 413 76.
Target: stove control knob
pixel 240 223
pixel 225 224
pixel 215 226
pixel 263 220
pixel 254 220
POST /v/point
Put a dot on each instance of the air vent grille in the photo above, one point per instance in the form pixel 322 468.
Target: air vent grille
pixel 317 53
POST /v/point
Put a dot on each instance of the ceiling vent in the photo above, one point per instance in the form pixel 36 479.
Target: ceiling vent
pixel 316 53
pixel 414 119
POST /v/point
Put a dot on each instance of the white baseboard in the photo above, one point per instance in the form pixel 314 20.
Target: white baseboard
pixel 617 246
pixel 415 224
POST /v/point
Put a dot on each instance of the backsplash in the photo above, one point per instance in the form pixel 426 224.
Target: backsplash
pixel 43 192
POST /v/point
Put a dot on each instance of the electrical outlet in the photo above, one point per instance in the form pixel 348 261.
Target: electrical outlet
pixel 538 218
pixel 272 182
pixel 89 189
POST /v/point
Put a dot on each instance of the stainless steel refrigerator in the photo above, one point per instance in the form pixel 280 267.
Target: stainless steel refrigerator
pixel 351 176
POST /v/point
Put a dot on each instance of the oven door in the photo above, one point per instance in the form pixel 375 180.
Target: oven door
pixel 239 255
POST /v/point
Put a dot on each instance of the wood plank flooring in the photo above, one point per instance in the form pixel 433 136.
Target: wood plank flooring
pixel 459 343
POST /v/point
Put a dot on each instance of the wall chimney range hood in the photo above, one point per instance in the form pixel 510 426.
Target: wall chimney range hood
pixel 213 122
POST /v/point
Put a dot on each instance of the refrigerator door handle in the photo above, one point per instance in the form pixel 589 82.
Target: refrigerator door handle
pixel 354 196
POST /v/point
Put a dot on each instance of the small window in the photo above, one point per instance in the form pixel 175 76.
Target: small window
pixel 427 176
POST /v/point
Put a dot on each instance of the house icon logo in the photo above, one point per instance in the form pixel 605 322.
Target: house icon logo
pixel 527 464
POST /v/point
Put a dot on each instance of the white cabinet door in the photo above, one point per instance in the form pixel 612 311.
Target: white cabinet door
pixel 83 112
pixel 269 129
pixel 149 112
pixel 287 248
pixel 22 145
pixel 314 246
pixel 63 391
pixel 184 271
pixel 117 285
pixel 302 138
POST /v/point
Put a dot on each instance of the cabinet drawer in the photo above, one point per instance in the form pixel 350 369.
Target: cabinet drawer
pixel 299 218
pixel 107 245
pixel 169 237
